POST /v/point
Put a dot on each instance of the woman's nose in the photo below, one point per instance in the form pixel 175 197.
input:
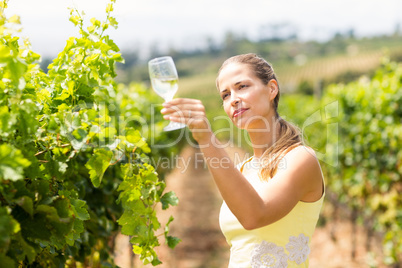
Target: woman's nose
pixel 235 100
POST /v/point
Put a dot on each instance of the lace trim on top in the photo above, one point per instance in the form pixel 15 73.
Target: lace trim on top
pixel 270 255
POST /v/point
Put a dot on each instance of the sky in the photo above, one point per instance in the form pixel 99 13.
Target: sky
pixel 186 24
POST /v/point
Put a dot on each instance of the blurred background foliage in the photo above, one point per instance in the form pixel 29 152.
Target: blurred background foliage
pixel 368 176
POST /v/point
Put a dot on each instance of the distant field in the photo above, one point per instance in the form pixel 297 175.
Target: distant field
pixel 202 85
pixel 327 68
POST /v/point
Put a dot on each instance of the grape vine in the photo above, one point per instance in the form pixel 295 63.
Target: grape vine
pixel 73 165
pixel 368 177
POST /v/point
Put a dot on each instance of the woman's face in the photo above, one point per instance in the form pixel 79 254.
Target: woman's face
pixel 246 100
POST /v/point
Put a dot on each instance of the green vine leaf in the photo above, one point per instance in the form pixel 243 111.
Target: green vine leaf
pixel 98 164
pixel 12 163
pixel 169 198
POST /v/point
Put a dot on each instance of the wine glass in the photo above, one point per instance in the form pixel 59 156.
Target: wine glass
pixel 164 78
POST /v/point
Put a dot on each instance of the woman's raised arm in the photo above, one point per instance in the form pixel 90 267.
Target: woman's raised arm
pixel 299 179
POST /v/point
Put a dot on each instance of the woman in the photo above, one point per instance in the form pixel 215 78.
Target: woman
pixel 272 200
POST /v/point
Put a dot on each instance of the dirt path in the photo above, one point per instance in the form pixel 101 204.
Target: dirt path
pixel 204 246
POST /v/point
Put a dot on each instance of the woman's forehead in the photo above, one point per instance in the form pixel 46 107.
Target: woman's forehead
pixel 233 72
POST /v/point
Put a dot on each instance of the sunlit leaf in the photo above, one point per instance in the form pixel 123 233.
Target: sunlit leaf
pixel 98 164
pixel 12 163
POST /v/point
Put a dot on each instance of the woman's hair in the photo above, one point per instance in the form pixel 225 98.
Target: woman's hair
pixel 289 136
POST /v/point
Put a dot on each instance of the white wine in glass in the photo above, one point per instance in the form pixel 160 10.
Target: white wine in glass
pixel 164 79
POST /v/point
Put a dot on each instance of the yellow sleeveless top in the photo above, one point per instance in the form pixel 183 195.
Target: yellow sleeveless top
pixel 284 243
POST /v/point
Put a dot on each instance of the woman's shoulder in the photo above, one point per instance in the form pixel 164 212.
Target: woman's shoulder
pixel 302 170
pixel 300 158
pixel 301 152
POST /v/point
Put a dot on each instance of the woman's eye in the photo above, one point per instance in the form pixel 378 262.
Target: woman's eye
pixel 224 96
pixel 242 86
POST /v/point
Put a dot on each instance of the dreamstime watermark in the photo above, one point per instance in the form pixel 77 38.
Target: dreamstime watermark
pixel 138 130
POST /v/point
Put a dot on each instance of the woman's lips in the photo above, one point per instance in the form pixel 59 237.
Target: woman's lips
pixel 239 112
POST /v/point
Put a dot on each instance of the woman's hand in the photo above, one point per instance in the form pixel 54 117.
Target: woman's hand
pixel 192 113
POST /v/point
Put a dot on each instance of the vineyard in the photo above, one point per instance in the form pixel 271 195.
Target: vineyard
pixel 80 153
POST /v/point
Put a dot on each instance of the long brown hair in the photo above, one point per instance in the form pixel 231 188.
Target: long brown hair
pixel 289 136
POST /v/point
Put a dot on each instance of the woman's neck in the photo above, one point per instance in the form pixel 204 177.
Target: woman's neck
pixel 262 139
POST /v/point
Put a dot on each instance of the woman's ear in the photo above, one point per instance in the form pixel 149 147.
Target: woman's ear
pixel 273 89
